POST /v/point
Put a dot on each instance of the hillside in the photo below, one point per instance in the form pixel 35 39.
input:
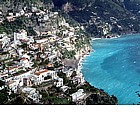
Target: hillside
pixel 41 46
pixel 133 6
pixel 99 17
pixel 103 17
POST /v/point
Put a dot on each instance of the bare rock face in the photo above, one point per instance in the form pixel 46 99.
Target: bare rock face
pixel 68 7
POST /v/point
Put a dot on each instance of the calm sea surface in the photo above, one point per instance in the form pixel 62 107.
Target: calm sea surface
pixel 115 67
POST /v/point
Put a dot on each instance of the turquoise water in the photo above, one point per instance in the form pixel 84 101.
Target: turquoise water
pixel 115 67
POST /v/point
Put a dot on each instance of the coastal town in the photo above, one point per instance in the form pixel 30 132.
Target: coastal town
pixel 71 67
pixel 43 65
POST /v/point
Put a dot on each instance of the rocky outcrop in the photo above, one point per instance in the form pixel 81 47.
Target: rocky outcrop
pixel 101 99
pixel 68 7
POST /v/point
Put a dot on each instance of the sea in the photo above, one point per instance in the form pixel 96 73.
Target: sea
pixel 114 66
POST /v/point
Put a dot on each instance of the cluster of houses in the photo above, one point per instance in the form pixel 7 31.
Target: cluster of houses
pixel 19 53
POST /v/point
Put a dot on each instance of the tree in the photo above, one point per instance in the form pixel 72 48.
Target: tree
pixel 3 92
pixel 73 74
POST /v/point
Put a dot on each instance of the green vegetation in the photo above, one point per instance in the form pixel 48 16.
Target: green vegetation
pixel 19 72
pixel 68 54
pixel 82 13
pixel 3 93
pixel 106 9
pixel 17 24
pixel 57 64
pixel 10 27
pixel 53 99
pixel 44 63
pixel 63 75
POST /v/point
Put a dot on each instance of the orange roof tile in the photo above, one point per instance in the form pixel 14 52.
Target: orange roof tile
pixel 4 74
pixel 40 72
pixel 24 40
pixel 11 68
pixel 43 39
pixel 11 82
pixel 24 59
pixel 50 65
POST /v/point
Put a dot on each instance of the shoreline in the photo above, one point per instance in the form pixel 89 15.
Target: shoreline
pixel 96 39
pixel 100 85
pixel 82 58
pixel 112 37
pixel 80 63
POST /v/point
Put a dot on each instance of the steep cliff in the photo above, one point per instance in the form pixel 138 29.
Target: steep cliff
pixel 103 17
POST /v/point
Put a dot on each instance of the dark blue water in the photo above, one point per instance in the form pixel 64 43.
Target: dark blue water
pixel 115 67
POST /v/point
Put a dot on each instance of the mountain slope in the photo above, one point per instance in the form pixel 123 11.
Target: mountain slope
pixel 133 6
pixel 103 17
pixel 99 17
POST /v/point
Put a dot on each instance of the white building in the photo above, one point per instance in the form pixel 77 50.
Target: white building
pixel 79 77
pixel 14 85
pixel 58 82
pixel 22 35
pixel 5 40
pixel 52 57
pixel 20 51
pixel 32 93
pixel 11 14
pixel 2 35
pixel 13 69
pixel 34 9
pixel 43 40
pixel 29 80
pixel 64 88
pixel 26 56
pixel 68 72
pixel 10 18
pixel 28 15
pixel 46 17
pixel 21 76
pixel 44 73
pixel 78 95
pixel 25 63
pixel 22 12
pixel 17 14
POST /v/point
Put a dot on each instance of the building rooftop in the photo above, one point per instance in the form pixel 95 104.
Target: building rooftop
pixel 40 72
pixel 28 90
pixel 50 65
pixel 24 59
pixel 11 82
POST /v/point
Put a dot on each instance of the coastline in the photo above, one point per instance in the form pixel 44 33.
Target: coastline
pixel 101 94
pixel 82 58
pixel 80 63
pixel 117 90
pixel 96 39
pixel 110 37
